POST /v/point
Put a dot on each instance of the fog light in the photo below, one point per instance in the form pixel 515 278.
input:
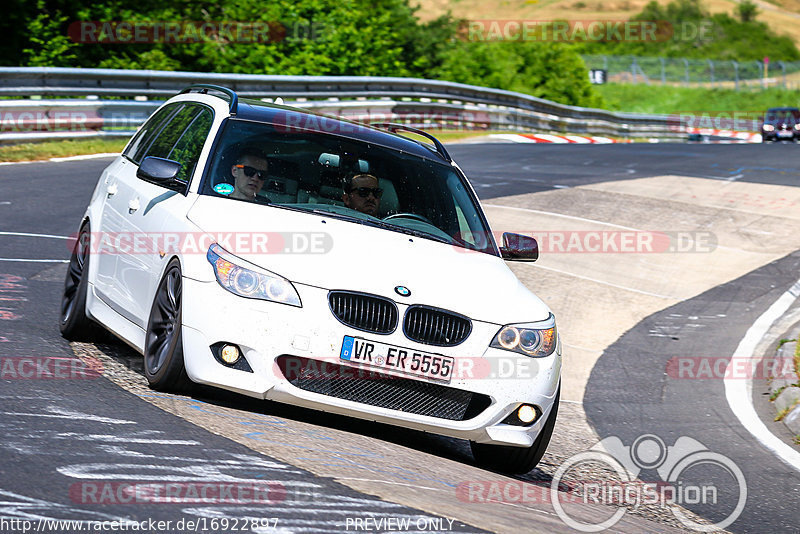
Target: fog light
pixel 526 414
pixel 230 354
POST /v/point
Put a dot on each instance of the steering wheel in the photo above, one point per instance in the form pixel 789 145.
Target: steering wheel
pixel 409 216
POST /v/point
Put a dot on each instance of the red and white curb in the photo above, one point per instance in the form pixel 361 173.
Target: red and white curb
pixel 749 137
pixel 555 139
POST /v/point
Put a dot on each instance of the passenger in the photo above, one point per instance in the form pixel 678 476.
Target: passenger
pixel 361 193
pixel 249 173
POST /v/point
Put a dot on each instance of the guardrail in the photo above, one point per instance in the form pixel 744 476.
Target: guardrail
pixel 115 101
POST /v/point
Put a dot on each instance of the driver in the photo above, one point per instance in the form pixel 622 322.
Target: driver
pixel 249 173
pixel 361 193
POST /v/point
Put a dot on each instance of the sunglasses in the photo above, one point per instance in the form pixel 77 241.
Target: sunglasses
pixel 250 171
pixel 364 192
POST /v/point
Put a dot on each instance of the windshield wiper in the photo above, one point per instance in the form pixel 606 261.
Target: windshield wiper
pixel 417 233
pixel 336 215
pixel 377 223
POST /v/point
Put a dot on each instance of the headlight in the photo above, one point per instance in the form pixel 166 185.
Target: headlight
pixel 251 281
pixel 536 340
pixel 768 127
pixel 797 126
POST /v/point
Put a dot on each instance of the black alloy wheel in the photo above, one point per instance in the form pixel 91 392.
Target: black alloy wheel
pixel 163 354
pixel 74 324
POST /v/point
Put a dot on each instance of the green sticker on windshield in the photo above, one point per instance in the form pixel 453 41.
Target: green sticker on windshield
pixel 223 189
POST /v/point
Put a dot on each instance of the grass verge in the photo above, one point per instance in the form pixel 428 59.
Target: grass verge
pixel 58 149
pixel 669 99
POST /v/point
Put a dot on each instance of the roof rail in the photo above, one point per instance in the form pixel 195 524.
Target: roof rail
pixel 204 88
pixel 394 128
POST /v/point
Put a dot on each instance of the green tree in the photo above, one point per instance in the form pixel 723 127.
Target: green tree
pixel 307 37
pixel 49 44
pixel 553 71
pixel 694 33
pixel 747 10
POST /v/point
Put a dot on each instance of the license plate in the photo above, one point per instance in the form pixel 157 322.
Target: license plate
pixel 785 134
pixel 407 361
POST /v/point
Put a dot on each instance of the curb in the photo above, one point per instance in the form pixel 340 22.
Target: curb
pixel 557 139
pixel 787 388
pixel 747 137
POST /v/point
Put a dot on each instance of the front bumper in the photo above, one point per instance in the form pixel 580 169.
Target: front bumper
pixel 781 135
pixel 266 331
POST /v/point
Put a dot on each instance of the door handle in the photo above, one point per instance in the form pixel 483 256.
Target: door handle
pixel 133 205
pixel 111 190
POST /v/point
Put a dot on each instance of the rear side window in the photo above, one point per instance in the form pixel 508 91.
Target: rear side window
pixel 189 145
pixel 151 128
pixel 170 134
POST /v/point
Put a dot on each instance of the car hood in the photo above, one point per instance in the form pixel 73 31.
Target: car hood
pixel 322 251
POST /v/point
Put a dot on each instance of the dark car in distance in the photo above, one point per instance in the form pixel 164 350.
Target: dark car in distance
pixel 781 124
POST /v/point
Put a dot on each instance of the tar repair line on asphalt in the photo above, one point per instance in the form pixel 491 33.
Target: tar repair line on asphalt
pixel 739 392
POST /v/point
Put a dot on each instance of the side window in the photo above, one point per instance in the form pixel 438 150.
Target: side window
pixel 187 150
pixel 135 151
pixel 169 135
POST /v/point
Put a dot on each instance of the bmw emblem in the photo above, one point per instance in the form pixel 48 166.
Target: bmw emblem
pixel 403 291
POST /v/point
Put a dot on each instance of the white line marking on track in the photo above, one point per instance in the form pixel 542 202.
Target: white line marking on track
pixel 29 260
pixel 59 160
pixel 563 215
pixel 608 283
pixel 739 392
pixel 26 234
pixel 72 416
pixel 392 483
pixel 555 214
pixel 581 348
pixel 125 439
pixel 85 156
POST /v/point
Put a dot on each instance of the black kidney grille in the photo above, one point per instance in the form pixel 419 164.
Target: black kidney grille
pixel 369 313
pixel 436 327
pixel 385 391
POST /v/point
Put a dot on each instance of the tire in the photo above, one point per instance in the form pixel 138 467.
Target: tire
pixel 163 346
pixel 73 322
pixel 517 460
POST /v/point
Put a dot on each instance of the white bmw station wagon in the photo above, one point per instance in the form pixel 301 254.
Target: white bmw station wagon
pixel 296 257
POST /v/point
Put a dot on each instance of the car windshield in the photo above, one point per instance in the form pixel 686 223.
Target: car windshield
pixel 311 171
pixel 786 114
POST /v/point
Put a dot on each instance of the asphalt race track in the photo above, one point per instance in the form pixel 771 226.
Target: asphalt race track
pixel 78 420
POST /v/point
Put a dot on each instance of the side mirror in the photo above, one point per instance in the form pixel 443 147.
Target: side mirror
pixel 518 247
pixel 159 170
